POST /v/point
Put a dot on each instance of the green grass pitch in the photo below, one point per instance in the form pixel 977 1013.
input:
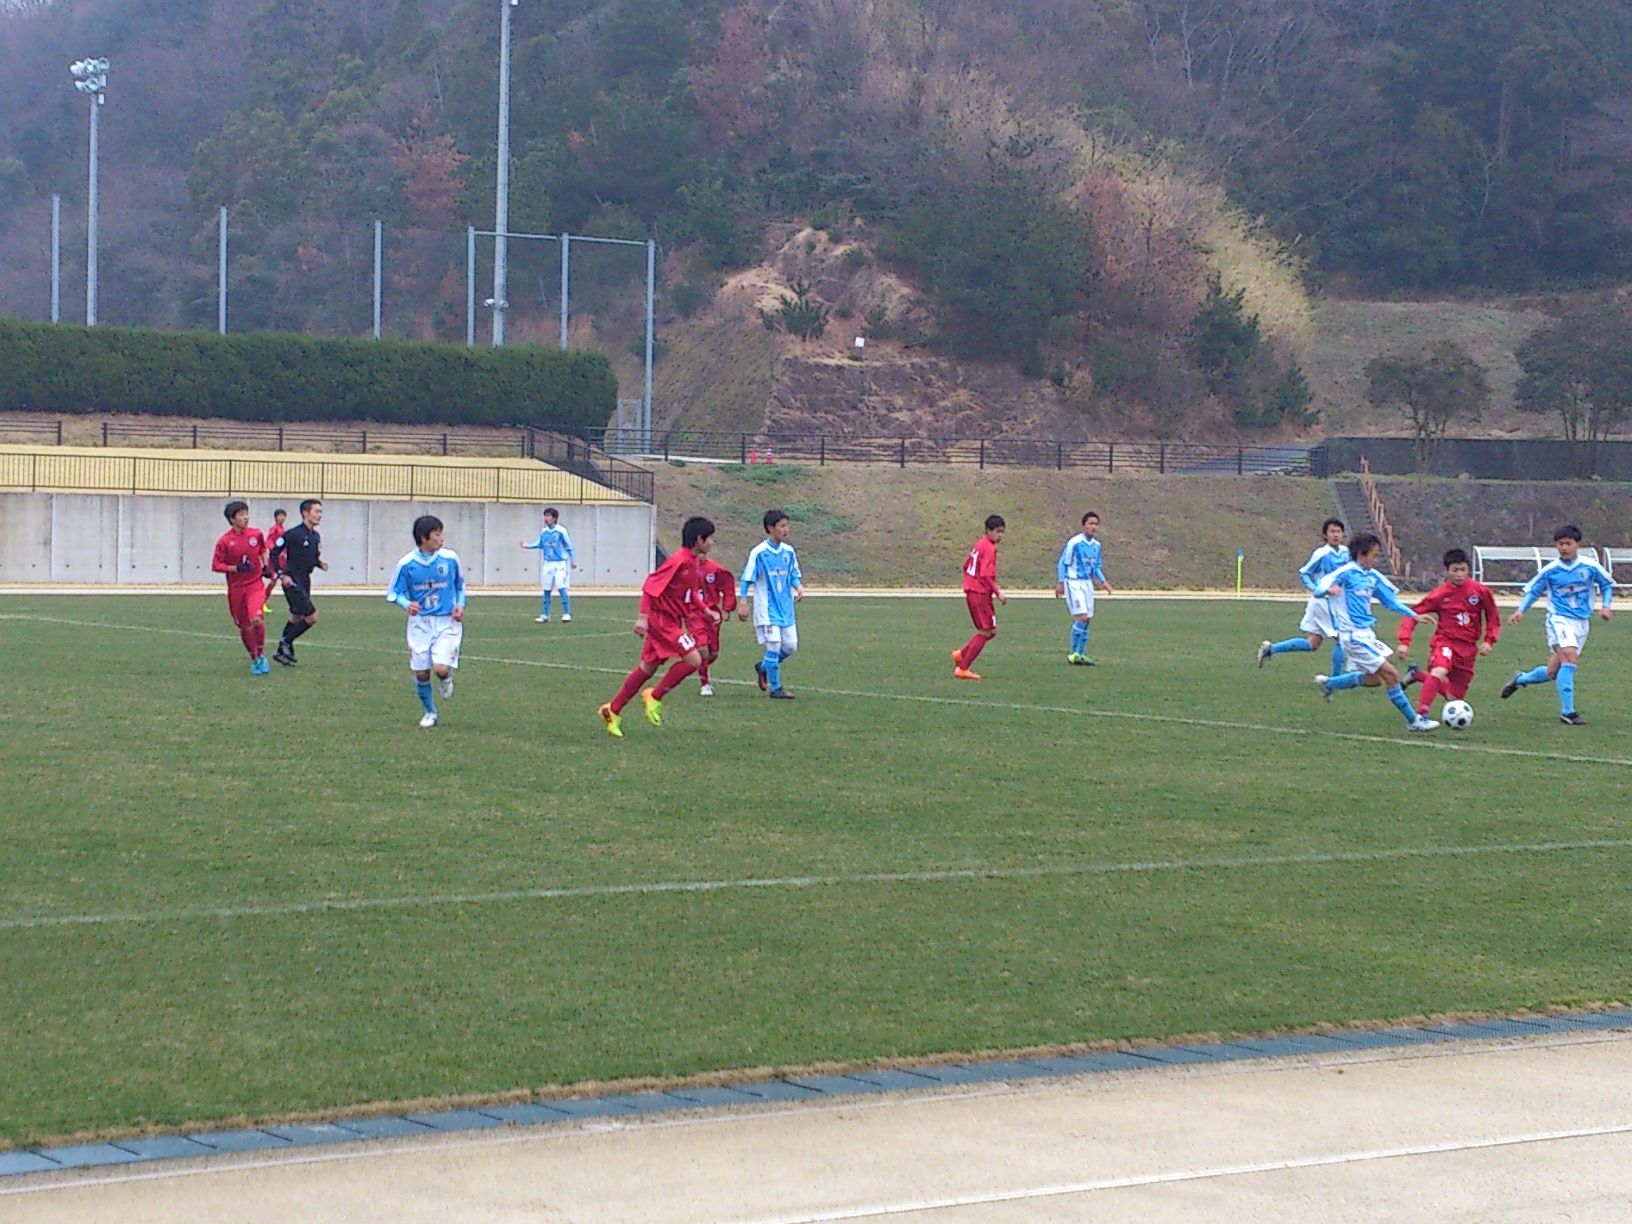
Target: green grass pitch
pixel 1176 843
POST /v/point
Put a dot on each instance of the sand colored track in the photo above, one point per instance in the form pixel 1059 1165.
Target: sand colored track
pixel 1521 1131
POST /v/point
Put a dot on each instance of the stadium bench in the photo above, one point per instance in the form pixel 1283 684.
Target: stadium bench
pixel 1531 558
pixel 1623 558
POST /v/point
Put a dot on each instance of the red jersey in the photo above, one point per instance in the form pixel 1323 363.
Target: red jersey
pixel 672 592
pixel 1459 609
pixel 235 547
pixel 274 542
pixel 719 586
pixel 980 568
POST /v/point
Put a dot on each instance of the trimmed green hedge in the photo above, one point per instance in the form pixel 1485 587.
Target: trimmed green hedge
pixel 269 377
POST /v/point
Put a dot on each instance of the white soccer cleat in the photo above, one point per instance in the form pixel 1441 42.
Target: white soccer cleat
pixel 706 691
pixel 444 685
pixel 1263 651
pixel 1323 683
pixel 566 618
pixel 1423 724
pixel 541 620
pixel 427 719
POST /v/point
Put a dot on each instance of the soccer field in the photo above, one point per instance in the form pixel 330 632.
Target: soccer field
pixel 223 896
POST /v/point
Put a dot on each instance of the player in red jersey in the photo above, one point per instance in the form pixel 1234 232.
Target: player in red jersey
pixel 240 554
pixel 719 588
pixel 979 590
pixel 671 616
pixel 1458 604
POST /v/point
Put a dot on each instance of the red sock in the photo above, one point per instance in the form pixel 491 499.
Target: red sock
pixel 631 686
pixel 259 633
pixel 702 673
pixel 672 677
pixel 248 636
pixel 972 650
pixel 1430 690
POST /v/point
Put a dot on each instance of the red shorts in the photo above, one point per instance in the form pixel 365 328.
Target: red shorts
pixel 981 610
pixel 1458 658
pixel 666 639
pixel 709 639
pixel 246 601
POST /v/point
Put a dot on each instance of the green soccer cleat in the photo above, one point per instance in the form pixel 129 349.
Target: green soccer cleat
pixel 654 707
pixel 614 722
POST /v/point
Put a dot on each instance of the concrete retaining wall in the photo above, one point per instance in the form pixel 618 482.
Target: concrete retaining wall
pixel 88 538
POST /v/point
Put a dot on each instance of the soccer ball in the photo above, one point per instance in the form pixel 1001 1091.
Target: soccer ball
pixel 1457 715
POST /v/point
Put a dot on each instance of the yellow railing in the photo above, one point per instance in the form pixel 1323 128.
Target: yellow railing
pixel 1385 529
pixel 387 478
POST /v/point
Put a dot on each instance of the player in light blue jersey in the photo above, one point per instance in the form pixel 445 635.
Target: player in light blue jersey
pixel 556 561
pixel 1568 584
pixel 772 575
pixel 430 587
pixel 1348 591
pixel 1316 625
pixel 1074 577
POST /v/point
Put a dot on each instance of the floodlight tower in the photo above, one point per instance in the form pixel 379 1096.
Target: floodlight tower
pixel 501 201
pixel 91 78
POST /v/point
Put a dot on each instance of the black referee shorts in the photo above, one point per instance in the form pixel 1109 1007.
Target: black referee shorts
pixel 299 600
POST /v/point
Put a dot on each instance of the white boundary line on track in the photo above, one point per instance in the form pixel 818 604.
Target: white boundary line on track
pixel 941 876
pixel 1437 745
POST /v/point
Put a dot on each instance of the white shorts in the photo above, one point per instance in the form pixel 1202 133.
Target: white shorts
pixel 1317 617
pixel 1363 651
pixel 433 641
pixel 1567 633
pixel 1079 596
pixel 555 575
pixel 784 637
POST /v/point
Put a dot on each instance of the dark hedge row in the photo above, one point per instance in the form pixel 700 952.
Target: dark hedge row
pixel 62 369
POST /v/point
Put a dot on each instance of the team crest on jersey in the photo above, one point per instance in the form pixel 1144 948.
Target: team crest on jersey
pixel 1473 601
pixel 708 578
pixel 442 570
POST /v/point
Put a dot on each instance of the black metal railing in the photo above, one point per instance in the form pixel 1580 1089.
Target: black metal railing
pixel 296 436
pixel 577 454
pixel 31 431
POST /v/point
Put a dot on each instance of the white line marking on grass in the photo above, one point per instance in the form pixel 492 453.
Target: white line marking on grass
pixel 1191 1175
pixel 929 876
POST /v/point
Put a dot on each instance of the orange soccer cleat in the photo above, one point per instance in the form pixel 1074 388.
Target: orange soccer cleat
pixel 957 659
pixel 963 673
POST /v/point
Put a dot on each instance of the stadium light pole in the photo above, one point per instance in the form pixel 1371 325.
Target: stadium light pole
pixel 501 202
pixel 91 78
pixel 56 259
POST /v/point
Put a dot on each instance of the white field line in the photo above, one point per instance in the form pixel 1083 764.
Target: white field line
pixel 1413 741
pixel 859 879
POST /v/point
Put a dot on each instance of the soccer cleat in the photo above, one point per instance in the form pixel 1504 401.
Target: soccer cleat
pixel 260 667
pixel 1421 724
pixel 566 618
pixel 1572 719
pixel 654 707
pixel 957 659
pixel 1413 675
pixel 781 695
pixel 963 673
pixel 284 655
pixel 427 719
pixel 1263 651
pixel 1325 688
pixel 1512 686
pixel 614 722
pixel 1075 659
pixel 706 691
pixel 541 620
pixel 444 684
pixel 1086 661
pixel 764 681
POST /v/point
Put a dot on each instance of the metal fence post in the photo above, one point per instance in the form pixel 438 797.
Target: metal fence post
pixel 1238 458
pixel 903 452
pixel 1059 456
pixel 444 441
pixel 1161 460
pixel 666 436
pixel 744 450
pixel 365 441
pixel 104 433
pixel 1110 458
pixel 983 454
pixel 820 462
pixel 195 437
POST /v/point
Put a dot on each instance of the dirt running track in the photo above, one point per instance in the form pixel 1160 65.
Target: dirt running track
pixel 1526 1131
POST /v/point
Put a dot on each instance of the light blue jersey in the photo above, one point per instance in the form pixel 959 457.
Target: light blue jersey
pixel 1351 608
pixel 1569 588
pixel 1080 560
pixel 772 571
pixel 554 544
pixel 1324 560
pixel 434 582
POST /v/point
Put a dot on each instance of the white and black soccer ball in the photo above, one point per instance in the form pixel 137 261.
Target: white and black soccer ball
pixel 1458 715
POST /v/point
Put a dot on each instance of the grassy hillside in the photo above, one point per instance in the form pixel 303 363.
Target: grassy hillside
pixel 880 526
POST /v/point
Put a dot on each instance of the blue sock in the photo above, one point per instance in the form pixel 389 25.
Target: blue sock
pixel 773 667
pixel 546 603
pixel 1347 680
pixel 1402 703
pixel 566 605
pixel 1290 646
pixel 1536 675
pixel 1339 659
pixel 1566 688
pixel 1079 638
pixel 423 688
pixel 1086 627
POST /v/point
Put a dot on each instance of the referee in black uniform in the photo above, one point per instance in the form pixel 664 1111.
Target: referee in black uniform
pixel 293 560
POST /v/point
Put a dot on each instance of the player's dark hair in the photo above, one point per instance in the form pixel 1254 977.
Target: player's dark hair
pixel 994 521
pixel 233 507
pixel 1455 557
pixel 695 529
pixel 1330 523
pixel 424 525
pixel 1362 543
pixel 773 517
pixel 1567 532
pixel 308 504
pixel 280 512
pixel 551 512
pixel 1092 514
